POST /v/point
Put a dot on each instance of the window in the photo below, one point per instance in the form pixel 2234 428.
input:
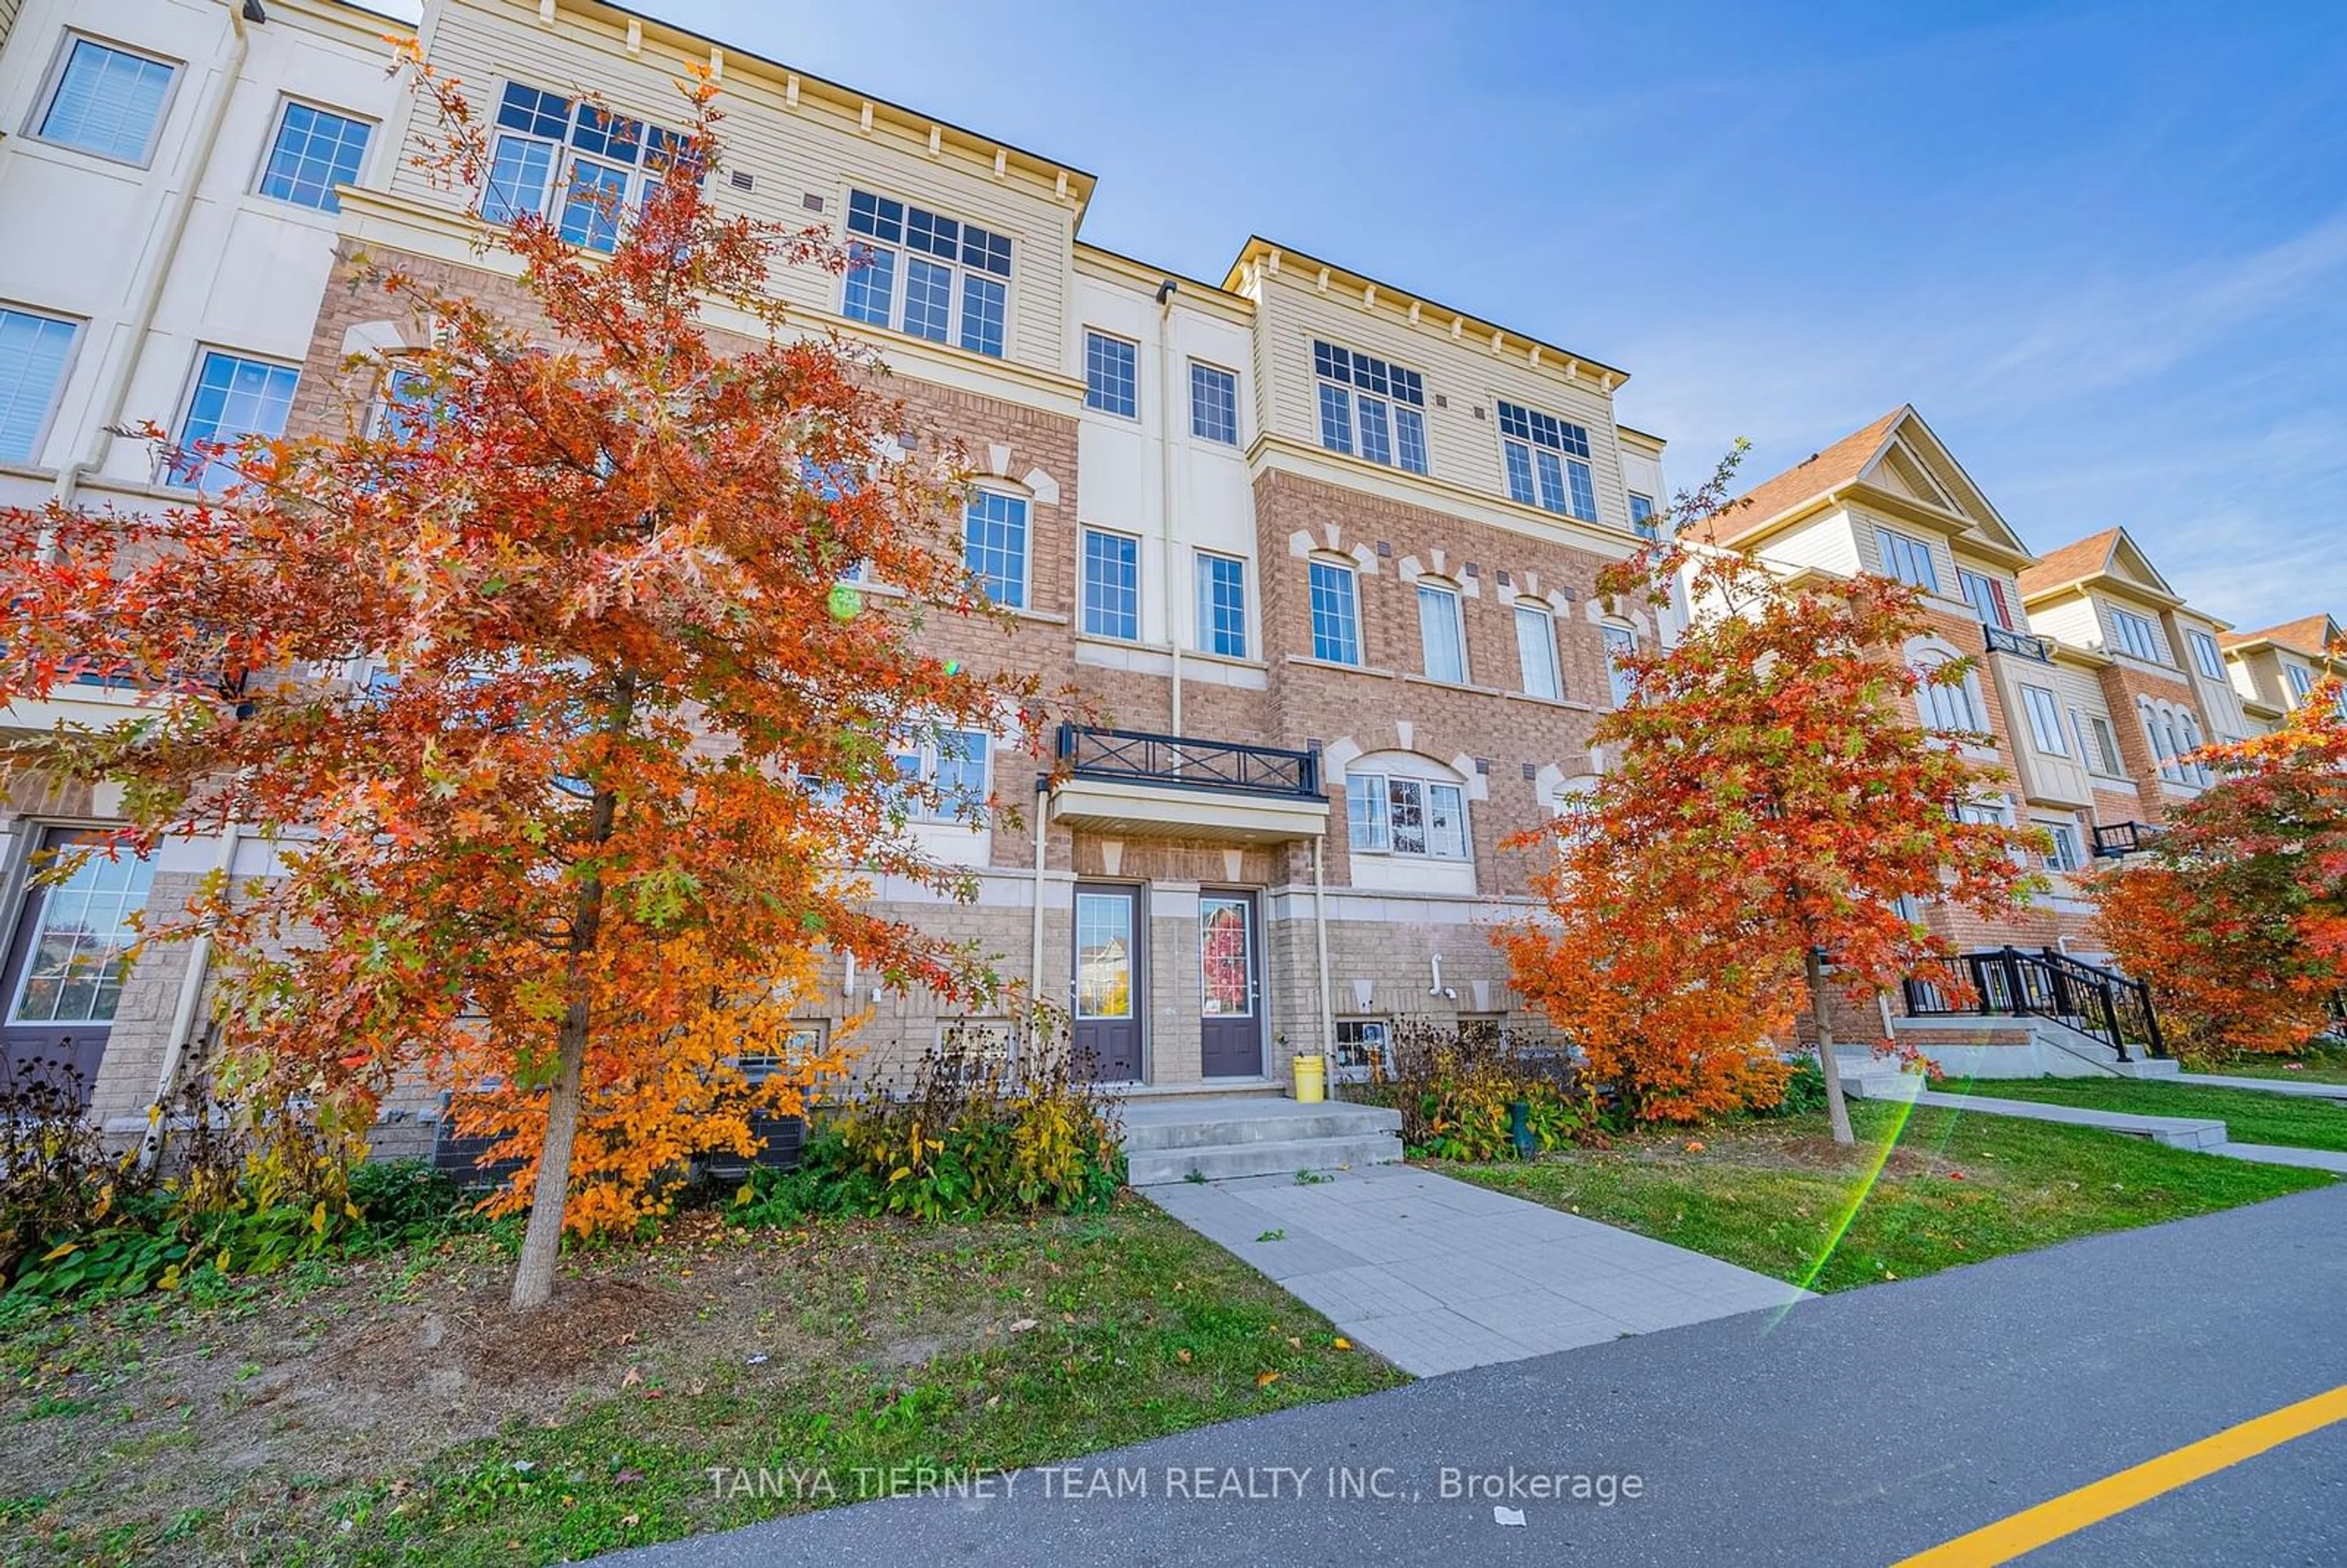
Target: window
pixel 1371 408
pixel 1112 585
pixel 1547 462
pixel 1536 651
pixel 2138 636
pixel 2206 655
pixel 1213 405
pixel 1388 815
pixel 1642 516
pixel 1336 620
pixel 1909 559
pixel 108 101
pixel 2302 683
pixel 2045 721
pixel 1441 639
pixel 81 952
pixel 1108 375
pixel 1946 706
pixel 234 397
pixel 994 547
pixel 938 259
pixel 601 163
pixel 314 152
pixel 1362 1046
pixel 1222 605
pixel 952 764
pixel 2100 744
pixel 1987 597
pixel 33 354
pixel 2066 854
pixel 1619 640
pixel 1576 805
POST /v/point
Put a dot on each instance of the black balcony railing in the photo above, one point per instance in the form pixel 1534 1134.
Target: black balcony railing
pixel 2116 839
pixel 2008 981
pixel 2001 640
pixel 1187 762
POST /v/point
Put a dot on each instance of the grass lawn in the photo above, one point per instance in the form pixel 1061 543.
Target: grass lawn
pixel 2250 1116
pixel 2321 1064
pixel 1954 1188
pixel 392 1411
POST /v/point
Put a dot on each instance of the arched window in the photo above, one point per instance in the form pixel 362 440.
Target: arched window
pixel 1441 631
pixel 1619 639
pixel 1946 705
pixel 1536 650
pixel 1574 804
pixel 1397 803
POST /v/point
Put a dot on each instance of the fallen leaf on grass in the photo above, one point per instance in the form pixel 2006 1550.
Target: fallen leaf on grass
pixel 1342 1343
pixel 1265 1380
pixel 1183 1356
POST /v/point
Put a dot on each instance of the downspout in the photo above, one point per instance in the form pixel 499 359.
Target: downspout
pixel 1320 941
pixel 1035 955
pixel 183 1013
pixel 1166 482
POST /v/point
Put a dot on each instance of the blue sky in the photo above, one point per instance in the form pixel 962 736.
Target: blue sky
pixel 2103 249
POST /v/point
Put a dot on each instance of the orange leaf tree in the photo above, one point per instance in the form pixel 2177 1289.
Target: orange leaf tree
pixel 1769 801
pixel 545 657
pixel 2236 913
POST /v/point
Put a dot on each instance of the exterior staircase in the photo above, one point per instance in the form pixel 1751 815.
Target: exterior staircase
pixel 1215 1138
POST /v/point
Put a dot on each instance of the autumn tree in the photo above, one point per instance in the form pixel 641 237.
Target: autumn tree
pixel 547 691
pixel 2236 913
pixel 1770 806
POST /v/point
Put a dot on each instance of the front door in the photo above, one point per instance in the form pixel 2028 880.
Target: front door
pixel 1111 981
pixel 1230 987
pixel 66 963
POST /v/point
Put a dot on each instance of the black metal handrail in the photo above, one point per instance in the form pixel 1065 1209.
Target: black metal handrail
pixel 2049 983
pixel 2118 838
pixel 1187 762
pixel 2002 639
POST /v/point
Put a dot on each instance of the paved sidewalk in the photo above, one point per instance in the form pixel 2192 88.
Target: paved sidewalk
pixel 1436 1275
pixel 2300 1089
pixel 2284 1154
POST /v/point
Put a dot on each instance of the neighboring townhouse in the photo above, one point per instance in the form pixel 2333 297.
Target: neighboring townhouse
pixel 169 178
pixel 2277 670
pixel 1319 551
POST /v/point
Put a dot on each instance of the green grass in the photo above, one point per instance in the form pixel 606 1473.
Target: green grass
pixel 836 1346
pixel 1954 1188
pixel 2321 1063
pixel 2250 1116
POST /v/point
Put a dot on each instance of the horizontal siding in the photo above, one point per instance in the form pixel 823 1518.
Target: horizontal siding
pixel 1824 543
pixel 2070 620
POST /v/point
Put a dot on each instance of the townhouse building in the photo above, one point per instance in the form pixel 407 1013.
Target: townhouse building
pixel 2276 670
pixel 1318 552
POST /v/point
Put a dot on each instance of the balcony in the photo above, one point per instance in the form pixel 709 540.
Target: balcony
pixel 1170 786
pixel 2002 640
pixel 2121 839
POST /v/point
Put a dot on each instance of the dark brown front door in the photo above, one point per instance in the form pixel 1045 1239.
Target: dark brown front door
pixel 1111 981
pixel 66 963
pixel 1230 986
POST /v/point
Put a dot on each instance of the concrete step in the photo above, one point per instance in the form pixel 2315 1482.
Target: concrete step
pixel 2150 1067
pixel 1223 1162
pixel 1156 1125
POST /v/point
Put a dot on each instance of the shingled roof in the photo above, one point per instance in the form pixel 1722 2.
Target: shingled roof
pixel 1822 472
pixel 2308 634
pixel 2070 563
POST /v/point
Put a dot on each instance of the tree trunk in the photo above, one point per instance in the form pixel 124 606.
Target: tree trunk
pixel 1837 1107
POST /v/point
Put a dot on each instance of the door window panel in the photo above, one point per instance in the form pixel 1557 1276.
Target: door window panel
pixel 1103 955
pixel 1225 958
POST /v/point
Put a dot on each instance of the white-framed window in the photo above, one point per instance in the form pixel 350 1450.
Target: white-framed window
pixel 2067 855
pixel 1222 605
pixel 2302 683
pixel 1909 559
pixel 994 546
pixel 1213 405
pixel 233 396
pixel 1363 1046
pixel 2045 721
pixel 1112 585
pixel 80 954
pixel 1536 651
pixel 35 349
pixel 923 272
pixel 1986 595
pixel 312 151
pixel 1574 805
pixel 1619 640
pixel 2174 737
pixel 105 100
pixel 1371 408
pixel 1947 705
pixel 2098 743
pixel 2138 636
pixel 1992 811
pixel 1385 815
pixel 2206 654
pixel 1642 516
pixel 1336 614
pixel 1111 374
pixel 1547 459
pixel 1441 635
pixel 953 763
pixel 804 1039
pixel 579 164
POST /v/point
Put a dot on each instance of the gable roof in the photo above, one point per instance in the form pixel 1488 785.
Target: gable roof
pixel 2111 554
pixel 1903 461
pixel 2308 634
pixel 1818 474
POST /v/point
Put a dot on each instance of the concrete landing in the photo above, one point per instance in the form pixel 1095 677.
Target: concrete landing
pixel 1218 1139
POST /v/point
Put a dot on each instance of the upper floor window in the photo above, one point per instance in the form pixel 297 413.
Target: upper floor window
pixel 2045 721
pixel 952 764
pixel 2302 683
pixel 33 350
pixel 1987 595
pixel 1222 605
pixel 1548 462
pixel 1389 815
pixel 1536 651
pixel 1213 405
pixel 581 162
pixel 2138 636
pixel 1442 639
pixel 1111 375
pixel 952 271
pixel 2099 743
pixel 313 151
pixel 1112 585
pixel 1336 614
pixel 1947 705
pixel 2206 654
pixel 1369 408
pixel 2067 855
pixel 109 101
pixel 1642 516
pixel 994 547
pixel 1619 640
pixel 234 397
pixel 1909 559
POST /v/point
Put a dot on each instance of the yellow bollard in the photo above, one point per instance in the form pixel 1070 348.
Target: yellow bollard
pixel 1312 1079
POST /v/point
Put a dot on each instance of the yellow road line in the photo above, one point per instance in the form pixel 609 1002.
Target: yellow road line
pixel 2091 1504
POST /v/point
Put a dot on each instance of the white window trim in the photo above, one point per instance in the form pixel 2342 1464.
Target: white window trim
pixel 285 101
pixel 54 78
pixel 1026 542
pixel 1238 406
pixel 2039 722
pixel 1383 780
pixel 1883 537
pixel 1352 570
pixel 1083 582
pixel 1522 608
pixel 47 427
pixel 1199 557
pixel 164 478
pixel 2156 637
pixel 1139 376
pixel 1450 591
pixel 1613 634
pixel 2201 643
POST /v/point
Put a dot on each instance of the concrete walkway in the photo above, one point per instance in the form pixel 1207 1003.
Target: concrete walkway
pixel 2203 1135
pixel 2302 1089
pixel 1436 1274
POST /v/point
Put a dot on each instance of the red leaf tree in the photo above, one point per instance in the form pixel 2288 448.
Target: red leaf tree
pixel 1770 807
pixel 546 660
